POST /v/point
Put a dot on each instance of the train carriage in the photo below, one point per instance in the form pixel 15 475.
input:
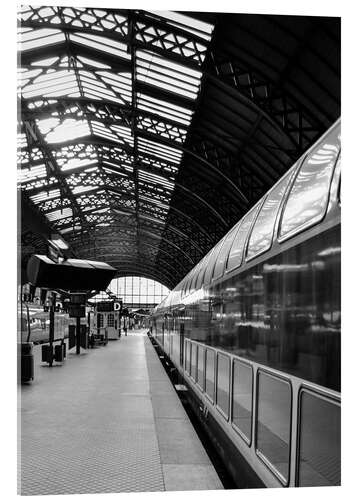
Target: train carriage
pixel 254 329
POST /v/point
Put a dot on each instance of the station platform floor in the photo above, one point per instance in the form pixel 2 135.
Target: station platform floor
pixel 108 421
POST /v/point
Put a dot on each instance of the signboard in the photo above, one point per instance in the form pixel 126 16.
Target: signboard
pixel 78 298
pixel 76 311
pixel 108 306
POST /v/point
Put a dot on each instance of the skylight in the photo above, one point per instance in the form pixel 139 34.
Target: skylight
pixel 199 28
pixel 69 129
pixel 110 126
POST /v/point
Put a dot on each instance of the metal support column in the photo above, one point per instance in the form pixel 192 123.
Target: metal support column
pixel 78 335
pixel 52 324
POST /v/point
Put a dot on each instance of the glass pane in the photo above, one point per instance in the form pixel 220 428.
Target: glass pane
pixel 320 442
pixel 308 198
pixel 223 254
pixel 193 361
pixel 273 433
pixel 223 382
pixel 200 365
pixel 236 253
pixel 210 373
pixel 262 233
pixel 202 270
pixel 187 356
pixel 242 397
pixel 211 262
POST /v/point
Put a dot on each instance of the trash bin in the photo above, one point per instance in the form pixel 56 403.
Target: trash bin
pixel 59 353
pixel 47 353
pixel 27 365
pixel 64 348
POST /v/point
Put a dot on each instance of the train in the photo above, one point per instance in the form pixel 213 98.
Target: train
pixel 254 330
pixel 34 323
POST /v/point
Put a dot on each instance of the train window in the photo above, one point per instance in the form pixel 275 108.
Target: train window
pixel 236 253
pixel 223 373
pixel 196 274
pixel 319 458
pixel 273 423
pixel 222 256
pixel 190 281
pixel 191 287
pixel 193 364
pixel 242 398
pixel 200 366
pixel 210 373
pixel 202 270
pixel 187 356
pixel 262 232
pixel 210 264
pixel 308 198
pixel 110 320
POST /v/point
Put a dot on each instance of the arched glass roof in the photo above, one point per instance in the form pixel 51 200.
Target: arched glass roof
pixel 144 136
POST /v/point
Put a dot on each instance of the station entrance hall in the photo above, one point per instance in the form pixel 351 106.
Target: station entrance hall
pixel 179 285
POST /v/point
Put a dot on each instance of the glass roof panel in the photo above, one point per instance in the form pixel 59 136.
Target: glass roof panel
pixel 34 38
pixel 45 195
pixel 107 45
pixel 69 129
pixel 155 179
pixel 30 174
pixel 160 150
pixel 59 214
pixel 199 28
pixel 57 83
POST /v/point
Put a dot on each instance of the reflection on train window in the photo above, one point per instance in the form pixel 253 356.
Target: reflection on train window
pixel 222 256
pixel 236 253
pixel 223 383
pixel 200 366
pixel 210 355
pixel 307 201
pixel 210 264
pixel 187 356
pixel 262 233
pixel 273 422
pixel 193 364
pixel 319 460
pixel 201 273
pixel 242 398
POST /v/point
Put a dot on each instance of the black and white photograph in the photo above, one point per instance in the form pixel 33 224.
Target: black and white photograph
pixel 178 288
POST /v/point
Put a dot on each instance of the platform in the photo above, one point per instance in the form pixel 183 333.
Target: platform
pixel 108 421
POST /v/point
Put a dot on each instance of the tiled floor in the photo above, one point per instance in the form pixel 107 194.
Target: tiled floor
pixel 108 420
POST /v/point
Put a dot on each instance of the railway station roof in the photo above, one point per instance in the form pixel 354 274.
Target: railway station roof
pixel 144 136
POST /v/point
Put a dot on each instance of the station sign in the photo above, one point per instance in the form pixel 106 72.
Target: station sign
pixel 108 306
pixel 76 311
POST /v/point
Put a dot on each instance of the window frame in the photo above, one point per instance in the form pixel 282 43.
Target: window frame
pixel 233 230
pixel 290 174
pixel 284 481
pixel 320 394
pixel 221 410
pixel 193 373
pixel 212 400
pixel 235 426
pixel 307 224
pixel 256 207
pixel 202 348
